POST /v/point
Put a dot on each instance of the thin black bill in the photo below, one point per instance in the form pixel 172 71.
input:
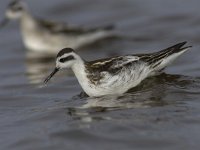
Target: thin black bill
pixel 51 75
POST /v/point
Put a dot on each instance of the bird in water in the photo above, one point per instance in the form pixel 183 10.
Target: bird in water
pixel 116 75
pixel 47 36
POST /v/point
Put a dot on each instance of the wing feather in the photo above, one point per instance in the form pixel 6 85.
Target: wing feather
pixel 56 27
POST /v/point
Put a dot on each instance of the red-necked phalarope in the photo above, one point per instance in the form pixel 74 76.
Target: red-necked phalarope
pixel 47 36
pixel 118 74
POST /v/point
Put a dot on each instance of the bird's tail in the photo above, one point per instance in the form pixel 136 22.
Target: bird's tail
pixel 159 60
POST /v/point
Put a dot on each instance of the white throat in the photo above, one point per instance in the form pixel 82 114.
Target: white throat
pixel 27 20
pixel 80 73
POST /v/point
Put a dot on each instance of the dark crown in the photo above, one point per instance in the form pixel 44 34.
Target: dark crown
pixel 14 3
pixel 65 51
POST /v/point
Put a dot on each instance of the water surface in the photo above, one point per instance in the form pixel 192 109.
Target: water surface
pixel 162 113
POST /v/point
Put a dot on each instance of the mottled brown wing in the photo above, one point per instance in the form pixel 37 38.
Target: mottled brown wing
pixel 65 28
pixel 155 58
pixel 111 65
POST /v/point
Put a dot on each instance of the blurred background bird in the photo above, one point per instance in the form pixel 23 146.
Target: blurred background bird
pixel 48 36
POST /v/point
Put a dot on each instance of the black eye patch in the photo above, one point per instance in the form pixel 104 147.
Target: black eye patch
pixel 13 3
pixel 62 60
pixel 15 6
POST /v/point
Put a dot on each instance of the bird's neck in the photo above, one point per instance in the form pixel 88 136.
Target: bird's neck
pixel 79 68
pixel 27 20
pixel 80 73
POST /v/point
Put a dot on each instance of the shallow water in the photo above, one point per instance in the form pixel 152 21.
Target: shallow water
pixel 162 113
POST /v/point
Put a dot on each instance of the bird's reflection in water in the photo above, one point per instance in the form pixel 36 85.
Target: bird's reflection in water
pixel 38 66
pixel 163 90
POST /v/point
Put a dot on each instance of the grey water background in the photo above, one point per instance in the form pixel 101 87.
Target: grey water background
pixel 162 113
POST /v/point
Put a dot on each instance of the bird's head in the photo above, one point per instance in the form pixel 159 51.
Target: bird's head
pixel 66 58
pixel 14 11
